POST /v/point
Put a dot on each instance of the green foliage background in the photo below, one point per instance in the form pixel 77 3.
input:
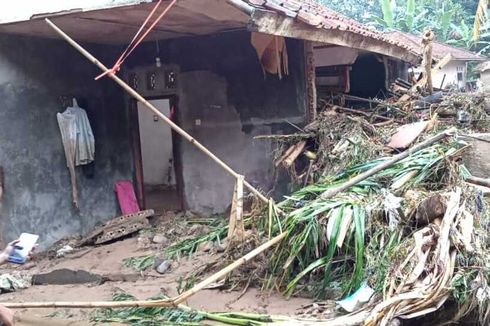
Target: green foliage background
pixel 451 20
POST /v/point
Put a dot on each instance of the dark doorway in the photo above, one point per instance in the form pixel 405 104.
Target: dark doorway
pixel 367 77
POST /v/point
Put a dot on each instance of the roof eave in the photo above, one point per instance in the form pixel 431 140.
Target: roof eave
pixel 269 22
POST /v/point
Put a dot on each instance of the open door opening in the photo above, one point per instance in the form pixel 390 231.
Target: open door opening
pixel 157 159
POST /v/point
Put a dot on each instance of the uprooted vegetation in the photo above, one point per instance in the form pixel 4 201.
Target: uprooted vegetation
pixel 401 244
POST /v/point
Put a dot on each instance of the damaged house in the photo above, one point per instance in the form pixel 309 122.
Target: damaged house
pixel 454 71
pixel 224 71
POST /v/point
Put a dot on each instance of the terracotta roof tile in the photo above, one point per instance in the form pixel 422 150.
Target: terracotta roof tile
pixel 315 14
pixel 439 50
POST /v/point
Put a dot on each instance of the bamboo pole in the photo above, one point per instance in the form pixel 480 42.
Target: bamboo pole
pixel 213 278
pixel 154 303
pixel 366 114
pixel 155 111
pixel 397 158
pixel 240 227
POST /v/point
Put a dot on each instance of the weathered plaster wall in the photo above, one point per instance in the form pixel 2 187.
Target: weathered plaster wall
pixel 34 73
pixel 485 80
pixel 224 101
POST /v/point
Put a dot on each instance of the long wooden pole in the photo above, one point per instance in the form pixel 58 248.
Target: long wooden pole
pixel 397 158
pixel 213 278
pixel 155 111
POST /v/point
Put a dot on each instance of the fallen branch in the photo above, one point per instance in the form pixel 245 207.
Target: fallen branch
pixel 366 114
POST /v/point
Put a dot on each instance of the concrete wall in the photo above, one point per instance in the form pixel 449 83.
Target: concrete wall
pixel 34 73
pixel 224 101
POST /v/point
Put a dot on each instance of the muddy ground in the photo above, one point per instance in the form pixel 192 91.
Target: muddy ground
pixel 108 260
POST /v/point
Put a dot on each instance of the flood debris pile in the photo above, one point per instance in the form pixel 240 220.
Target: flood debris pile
pixel 404 243
pixel 384 224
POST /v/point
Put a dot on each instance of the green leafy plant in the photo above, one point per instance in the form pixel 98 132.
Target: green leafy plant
pixel 180 315
pixel 140 263
pixel 327 233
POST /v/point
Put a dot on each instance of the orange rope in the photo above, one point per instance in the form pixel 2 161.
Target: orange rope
pixel 136 41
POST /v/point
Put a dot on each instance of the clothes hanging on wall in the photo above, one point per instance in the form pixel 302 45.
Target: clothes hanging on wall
pixel 272 53
pixel 78 142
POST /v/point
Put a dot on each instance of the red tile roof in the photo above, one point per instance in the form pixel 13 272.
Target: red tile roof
pixel 439 50
pixel 317 15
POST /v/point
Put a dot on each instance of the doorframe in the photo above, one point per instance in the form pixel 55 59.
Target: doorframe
pixel 136 147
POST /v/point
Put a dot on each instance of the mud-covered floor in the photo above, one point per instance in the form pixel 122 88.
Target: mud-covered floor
pixel 108 259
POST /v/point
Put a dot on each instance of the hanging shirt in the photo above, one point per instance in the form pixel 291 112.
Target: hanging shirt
pixel 78 138
pixel 78 142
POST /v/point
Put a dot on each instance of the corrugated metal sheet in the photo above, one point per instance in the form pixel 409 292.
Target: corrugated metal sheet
pixel 20 10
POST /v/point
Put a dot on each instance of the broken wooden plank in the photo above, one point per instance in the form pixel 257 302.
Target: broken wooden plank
pixel 66 276
pixel 297 150
pixel 236 227
pixel 444 61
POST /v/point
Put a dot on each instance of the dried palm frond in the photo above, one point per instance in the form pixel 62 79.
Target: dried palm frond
pixel 480 19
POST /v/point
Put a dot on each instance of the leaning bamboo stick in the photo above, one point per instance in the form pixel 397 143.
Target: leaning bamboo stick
pixel 155 111
pixel 397 158
pixel 213 278
pixel 154 303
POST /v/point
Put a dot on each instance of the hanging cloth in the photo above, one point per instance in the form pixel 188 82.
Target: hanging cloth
pixel 272 53
pixel 126 197
pixel 78 142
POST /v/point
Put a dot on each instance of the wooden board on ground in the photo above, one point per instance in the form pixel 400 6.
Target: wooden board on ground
pixel 118 227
